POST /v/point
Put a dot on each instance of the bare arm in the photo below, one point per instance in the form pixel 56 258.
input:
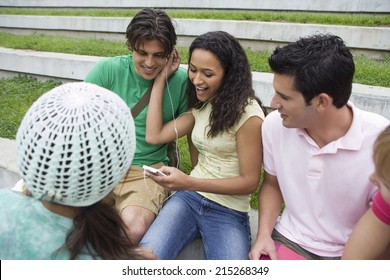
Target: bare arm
pixel 370 239
pixel 156 131
pixel 249 148
pixel 270 203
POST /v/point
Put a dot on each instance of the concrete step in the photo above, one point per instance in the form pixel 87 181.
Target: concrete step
pixel 71 67
pixel 361 6
pixel 257 35
pixel 8 178
pixel 8 155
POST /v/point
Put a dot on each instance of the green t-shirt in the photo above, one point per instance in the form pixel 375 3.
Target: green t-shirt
pixel 118 75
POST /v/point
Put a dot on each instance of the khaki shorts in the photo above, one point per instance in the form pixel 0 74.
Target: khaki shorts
pixel 137 190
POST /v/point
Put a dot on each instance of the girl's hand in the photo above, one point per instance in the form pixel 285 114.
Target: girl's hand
pixel 174 181
pixel 173 62
pixel 171 65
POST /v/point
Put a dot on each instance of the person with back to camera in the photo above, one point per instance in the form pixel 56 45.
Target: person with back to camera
pixel 225 120
pixel 370 238
pixel 151 37
pixel 317 153
pixel 73 146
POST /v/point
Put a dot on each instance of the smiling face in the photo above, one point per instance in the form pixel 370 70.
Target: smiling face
pixel 206 73
pixel 290 103
pixel 149 59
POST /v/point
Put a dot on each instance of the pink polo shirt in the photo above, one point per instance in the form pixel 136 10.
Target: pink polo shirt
pixel 326 190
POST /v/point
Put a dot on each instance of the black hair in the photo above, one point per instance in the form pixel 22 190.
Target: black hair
pixel 151 24
pixel 319 64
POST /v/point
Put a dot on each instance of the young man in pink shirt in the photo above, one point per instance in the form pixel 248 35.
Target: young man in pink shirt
pixel 317 153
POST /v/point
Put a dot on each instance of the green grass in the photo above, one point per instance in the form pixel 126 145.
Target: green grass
pixel 61 44
pixel 368 71
pixel 353 19
pixel 371 72
pixel 16 96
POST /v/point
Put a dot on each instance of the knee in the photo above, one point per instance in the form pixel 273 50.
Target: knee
pixel 135 231
pixel 136 226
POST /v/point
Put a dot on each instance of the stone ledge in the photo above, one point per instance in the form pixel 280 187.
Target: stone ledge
pixel 8 155
pixel 70 67
pixel 374 41
pixel 372 6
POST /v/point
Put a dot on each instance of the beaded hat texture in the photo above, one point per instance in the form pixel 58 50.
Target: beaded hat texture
pixel 75 143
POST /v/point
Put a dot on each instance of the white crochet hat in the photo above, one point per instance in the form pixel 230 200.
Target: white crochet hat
pixel 75 143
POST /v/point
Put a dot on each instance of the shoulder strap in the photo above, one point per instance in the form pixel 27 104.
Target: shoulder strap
pixel 142 102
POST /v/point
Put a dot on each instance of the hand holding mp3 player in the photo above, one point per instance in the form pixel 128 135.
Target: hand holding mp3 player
pixel 152 170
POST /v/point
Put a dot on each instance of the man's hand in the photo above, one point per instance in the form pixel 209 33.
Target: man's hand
pixel 263 246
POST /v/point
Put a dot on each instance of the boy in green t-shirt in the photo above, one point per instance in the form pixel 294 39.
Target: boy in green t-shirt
pixel 151 37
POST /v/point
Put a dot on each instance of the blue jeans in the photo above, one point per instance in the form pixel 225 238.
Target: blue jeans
pixel 187 215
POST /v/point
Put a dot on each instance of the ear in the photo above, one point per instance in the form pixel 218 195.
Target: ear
pixel 324 101
pixel 167 58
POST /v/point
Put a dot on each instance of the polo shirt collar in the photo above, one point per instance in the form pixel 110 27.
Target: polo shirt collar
pixel 352 140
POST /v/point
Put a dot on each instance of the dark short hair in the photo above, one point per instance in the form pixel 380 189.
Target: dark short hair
pixel 319 64
pixel 151 24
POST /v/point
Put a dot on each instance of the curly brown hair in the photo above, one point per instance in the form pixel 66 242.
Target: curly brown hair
pixel 236 88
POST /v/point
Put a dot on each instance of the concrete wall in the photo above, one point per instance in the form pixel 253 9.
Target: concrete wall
pixel 370 6
pixel 70 67
pixel 373 41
